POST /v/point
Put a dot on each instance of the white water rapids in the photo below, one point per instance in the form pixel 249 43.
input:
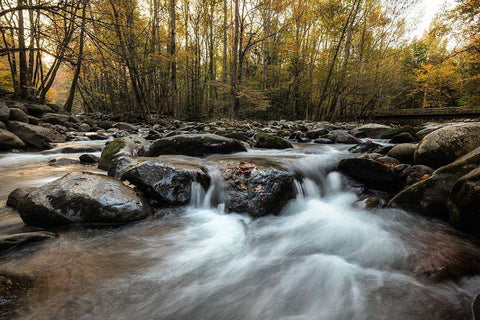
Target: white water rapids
pixel 320 258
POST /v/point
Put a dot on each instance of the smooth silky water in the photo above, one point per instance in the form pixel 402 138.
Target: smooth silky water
pixel 320 258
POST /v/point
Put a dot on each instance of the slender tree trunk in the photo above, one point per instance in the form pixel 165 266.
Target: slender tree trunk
pixel 234 75
pixel 173 61
pixel 22 53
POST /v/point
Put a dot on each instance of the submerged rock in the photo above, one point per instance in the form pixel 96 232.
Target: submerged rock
pixel 444 145
pixel 82 197
pixel 195 145
pixel 268 141
pixel 18 240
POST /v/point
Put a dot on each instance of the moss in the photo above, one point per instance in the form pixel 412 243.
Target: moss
pixel 395 131
pixel 453 212
pixel 233 135
pixel 112 148
pixel 38 215
pixel 268 141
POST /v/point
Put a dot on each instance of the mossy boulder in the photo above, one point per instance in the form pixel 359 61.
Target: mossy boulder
pixel 404 137
pixel 445 145
pixel 398 130
pixel 195 145
pixel 81 197
pixel 234 135
pixel 268 141
pixel 131 145
pixel 428 197
pixel 403 152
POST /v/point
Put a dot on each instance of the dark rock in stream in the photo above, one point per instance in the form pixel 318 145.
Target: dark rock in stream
pixel 132 145
pixel 403 152
pixel 262 193
pixel 17 195
pixel 88 159
pixel 82 197
pixel 19 240
pixel 9 141
pixel 166 184
pixel 268 141
pixel 35 136
pixel 13 288
pixel 372 173
pixel 60 162
pixel 195 145
pixel 368 146
pixel 476 307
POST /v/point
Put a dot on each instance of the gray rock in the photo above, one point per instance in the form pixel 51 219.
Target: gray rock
pixel 342 136
pixel 371 130
pixel 444 145
pixel 81 197
pixel 89 159
pixel 17 114
pixel 37 110
pixel 197 145
pixel 35 136
pixel 17 195
pixel 132 145
pixel 403 152
pixel 55 118
pixel 4 111
pixel 9 141
pixel 60 162
pixel 269 141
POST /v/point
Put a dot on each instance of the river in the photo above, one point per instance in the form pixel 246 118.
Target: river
pixel 321 258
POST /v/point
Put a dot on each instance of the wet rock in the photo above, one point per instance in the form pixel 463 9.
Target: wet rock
pixel 371 130
pixel 324 141
pixel 388 161
pixel 166 184
pixel 268 141
pixel 2 125
pixel 97 136
pixel 35 136
pixel 262 193
pixel 404 137
pixel 120 165
pixel 105 124
pixel 368 146
pixel 464 203
pixel 368 203
pixel 84 127
pixel 342 136
pixel 414 174
pixel 17 195
pixel 197 145
pixel 33 120
pixel 60 162
pixel 132 145
pixel 428 197
pixel 9 141
pixel 82 197
pixel 19 240
pixel 372 173
pixel 89 159
pixel 17 114
pixel 4 111
pixel 403 152
pixel 444 145
pixel 234 135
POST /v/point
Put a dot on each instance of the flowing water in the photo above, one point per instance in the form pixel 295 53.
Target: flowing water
pixel 320 258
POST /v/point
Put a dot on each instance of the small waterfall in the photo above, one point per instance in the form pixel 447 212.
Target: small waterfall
pixel 214 197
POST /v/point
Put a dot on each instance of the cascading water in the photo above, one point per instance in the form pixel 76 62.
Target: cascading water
pixel 319 259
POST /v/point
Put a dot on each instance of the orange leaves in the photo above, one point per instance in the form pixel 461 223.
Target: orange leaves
pixel 424 177
pixel 245 169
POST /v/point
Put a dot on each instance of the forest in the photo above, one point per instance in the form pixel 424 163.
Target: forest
pixel 239 59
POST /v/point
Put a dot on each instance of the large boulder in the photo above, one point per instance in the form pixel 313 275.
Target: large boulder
pixel 132 145
pixel 82 197
pixel 55 118
pixel 166 184
pixel 9 141
pixel 372 173
pixel 35 136
pixel 17 114
pixel 195 145
pixel 368 146
pixel 4 111
pixel 444 145
pixel 464 203
pixel 403 152
pixel 428 196
pixel 398 130
pixel 371 130
pixel 262 193
pixel 268 141
pixel 37 110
